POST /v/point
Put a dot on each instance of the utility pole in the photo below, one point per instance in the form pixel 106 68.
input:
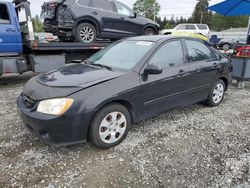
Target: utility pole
pixel 202 13
pixel 154 12
pixel 201 20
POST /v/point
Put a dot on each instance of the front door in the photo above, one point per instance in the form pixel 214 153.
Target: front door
pixel 128 24
pixel 170 88
pixel 104 11
pixel 8 32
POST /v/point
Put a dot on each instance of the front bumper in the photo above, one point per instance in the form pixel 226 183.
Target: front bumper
pixel 67 129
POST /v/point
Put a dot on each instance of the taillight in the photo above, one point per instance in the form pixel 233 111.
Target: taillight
pixel 52 5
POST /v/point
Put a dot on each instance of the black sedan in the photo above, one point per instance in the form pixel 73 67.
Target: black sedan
pixel 129 81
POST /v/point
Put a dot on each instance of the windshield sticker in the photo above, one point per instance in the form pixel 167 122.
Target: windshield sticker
pixel 144 43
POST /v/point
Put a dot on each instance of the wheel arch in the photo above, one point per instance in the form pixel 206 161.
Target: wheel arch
pixel 150 26
pixel 167 33
pixel 226 82
pixel 122 102
pixel 89 20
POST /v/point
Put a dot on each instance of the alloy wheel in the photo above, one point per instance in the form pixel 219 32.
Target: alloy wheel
pixel 226 47
pixel 87 34
pixel 149 32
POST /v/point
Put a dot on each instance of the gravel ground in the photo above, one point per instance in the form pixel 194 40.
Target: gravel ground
pixel 195 146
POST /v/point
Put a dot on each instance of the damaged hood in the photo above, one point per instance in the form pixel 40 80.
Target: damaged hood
pixel 67 80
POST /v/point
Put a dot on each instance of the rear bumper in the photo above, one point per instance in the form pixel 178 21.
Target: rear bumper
pixel 63 130
pixel 61 30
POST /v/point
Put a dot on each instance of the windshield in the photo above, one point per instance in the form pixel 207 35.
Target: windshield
pixel 122 55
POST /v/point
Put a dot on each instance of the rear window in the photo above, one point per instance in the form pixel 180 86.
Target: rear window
pixel 202 26
pixel 181 27
pixel 83 2
pixel 103 4
pixel 48 10
pixel 4 15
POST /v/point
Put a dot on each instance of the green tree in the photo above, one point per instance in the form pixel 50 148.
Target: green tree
pixel 147 8
pixel 220 22
pixel 37 24
pixel 201 13
pixel 169 26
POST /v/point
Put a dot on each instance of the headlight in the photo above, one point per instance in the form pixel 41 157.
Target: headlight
pixel 55 107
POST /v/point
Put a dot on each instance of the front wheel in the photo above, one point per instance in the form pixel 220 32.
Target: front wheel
pixel 86 33
pixel 216 94
pixel 110 126
pixel 149 31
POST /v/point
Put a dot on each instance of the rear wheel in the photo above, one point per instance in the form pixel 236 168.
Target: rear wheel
pixel 216 94
pixel 110 126
pixel 86 33
pixel 149 31
pixel 226 46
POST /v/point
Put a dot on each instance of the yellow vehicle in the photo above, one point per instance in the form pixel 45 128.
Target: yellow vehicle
pixel 189 34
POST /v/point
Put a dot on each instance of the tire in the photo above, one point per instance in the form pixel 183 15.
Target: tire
pixel 216 94
pixel 149 31
pixel 86 33
pixel 226 46
pixel 105 132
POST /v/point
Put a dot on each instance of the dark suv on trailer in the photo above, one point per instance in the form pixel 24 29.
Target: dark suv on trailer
pixel 86 20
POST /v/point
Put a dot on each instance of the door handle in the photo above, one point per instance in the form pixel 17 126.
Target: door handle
pixel 94 12
pixel 216 64
pixel 10 30
pixel 182 72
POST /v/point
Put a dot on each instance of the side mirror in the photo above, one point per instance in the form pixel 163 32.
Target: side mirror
pixel 134 15
pixel 152 69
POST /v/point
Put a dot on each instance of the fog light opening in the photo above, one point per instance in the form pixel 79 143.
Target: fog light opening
pixel 44 135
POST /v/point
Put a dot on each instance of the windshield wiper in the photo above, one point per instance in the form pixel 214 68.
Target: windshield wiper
pixel 102 66
pixel 87 62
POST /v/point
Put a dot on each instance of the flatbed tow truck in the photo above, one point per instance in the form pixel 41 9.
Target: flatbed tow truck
pixel 20 51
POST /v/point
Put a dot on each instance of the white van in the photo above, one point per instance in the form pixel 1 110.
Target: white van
pixel 188 27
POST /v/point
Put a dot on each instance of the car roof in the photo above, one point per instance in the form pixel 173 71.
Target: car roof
pixel 160 38
pixel 153 38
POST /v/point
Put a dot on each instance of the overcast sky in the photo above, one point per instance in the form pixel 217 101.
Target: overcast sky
pixel 168 7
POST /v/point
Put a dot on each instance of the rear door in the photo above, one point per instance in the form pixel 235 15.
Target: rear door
pixel 203 66
pixel 9 44
pixel 170 88
pixel 190 28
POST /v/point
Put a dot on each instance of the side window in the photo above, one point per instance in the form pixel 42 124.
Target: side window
pixel 103 4
pixel 170 54
pixel 181 27
pixel 122 9
pixel 4 15
pixel 202 26
pixel 83 2
pixel 198 51
pixel 191 27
